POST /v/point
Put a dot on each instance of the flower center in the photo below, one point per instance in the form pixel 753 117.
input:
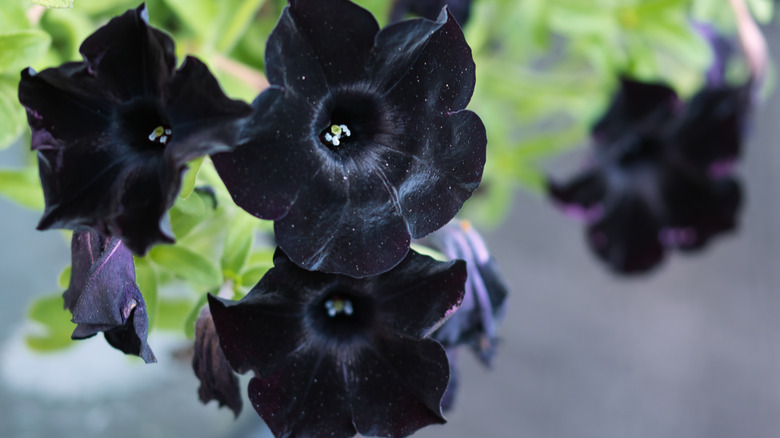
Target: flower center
pixel 160 135
pixel 333 135
pixel 341 316
pixel 339 306
pixel 143 125
pixel 351 120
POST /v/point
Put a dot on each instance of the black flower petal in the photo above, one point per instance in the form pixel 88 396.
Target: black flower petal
pixel 103 295
pixel 627 236
pixel 709 133
pixel 638 107
pixel 582 197
pixel 114 132
pixel 659 176
pixel 451 394
pixel 349 200
pixel 334 355
pixel 217 380
pixel 430 9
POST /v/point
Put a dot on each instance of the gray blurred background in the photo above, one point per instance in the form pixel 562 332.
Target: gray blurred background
pixel 690 351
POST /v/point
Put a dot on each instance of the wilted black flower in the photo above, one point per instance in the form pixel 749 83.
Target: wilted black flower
pixel 334 355
pixel 430 9
pixel 484 302
pixel 660 173
pixel 361 143
pixel 103 295
pixel 114 132
pixel 217 380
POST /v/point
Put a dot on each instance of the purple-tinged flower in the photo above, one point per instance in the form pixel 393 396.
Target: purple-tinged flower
pixel 217 380
pixel 660 173
pixel 722 51
pixel 103 295
pixel 114 132
pixel 334 355
pixel 361 142
pixel 430 9
pixel 484 302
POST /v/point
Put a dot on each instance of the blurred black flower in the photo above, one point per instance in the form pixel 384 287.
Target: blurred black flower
pixel 484 302
pixel 334 355
pixel 660 173
pixel 430 9
pixel 103 295
pixel 217 380
pixel 114 132
pixel 361 143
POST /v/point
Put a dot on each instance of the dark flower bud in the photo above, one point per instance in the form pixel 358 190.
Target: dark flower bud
pixel 217 380
pixel 103 295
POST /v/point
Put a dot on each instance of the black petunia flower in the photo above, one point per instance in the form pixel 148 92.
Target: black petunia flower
pixel 334 355
pixel 114 132
pixel 361 142
pixel 660 173
pixel 430 9
pixel 484 302
pixel 103 295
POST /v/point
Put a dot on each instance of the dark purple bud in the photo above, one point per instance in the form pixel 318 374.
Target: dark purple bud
pixel 103 295
pixel 217 380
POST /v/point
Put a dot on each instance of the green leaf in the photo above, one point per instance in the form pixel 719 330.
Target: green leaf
pixel 197 15
pixel 192 316
pixel 188 212
pixel 258 264
pixel 253 274
pixel 188 182
pixel 54 3
pixel 68 28
pixel 147 281
pixel 174 313
pixel 105 8
pixel 12 117
pixel 21 48
pixel 54 321
pixel 187 264
pixel 762 10
pixel 23 187
pixel 63 281
pixel 581 19
pixel 430 252
pixel 235 17
pixel 238 243
pixel 13 15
